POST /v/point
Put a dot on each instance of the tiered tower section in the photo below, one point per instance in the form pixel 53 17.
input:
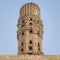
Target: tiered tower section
pixel 30 30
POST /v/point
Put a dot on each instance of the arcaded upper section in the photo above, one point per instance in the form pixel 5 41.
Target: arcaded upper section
pixel 30 8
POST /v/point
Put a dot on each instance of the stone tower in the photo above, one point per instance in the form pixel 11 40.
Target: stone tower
pixel 30 30
pixel 29 36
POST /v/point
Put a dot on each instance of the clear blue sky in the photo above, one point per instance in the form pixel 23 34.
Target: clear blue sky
pixel 50 15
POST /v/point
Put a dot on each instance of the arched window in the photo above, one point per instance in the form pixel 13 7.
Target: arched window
pixel 23 21
pixel 38 33
pixel 30 23
pixel 30 47
pixel 38 46
pixel 22 25
pixel 22 33
pixel 31 31
pixel 22 50
pixel 22 43
pixel 30 42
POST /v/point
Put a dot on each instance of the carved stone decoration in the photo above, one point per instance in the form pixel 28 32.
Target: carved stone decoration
pixel 28 23
pixel 29 36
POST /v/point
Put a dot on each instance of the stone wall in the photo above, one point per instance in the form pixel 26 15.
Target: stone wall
pixel 30 57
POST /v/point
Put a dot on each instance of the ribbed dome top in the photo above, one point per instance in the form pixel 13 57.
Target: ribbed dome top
pixel 30 8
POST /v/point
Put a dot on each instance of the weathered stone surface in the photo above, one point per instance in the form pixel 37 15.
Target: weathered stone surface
pixel 30 28
pixel 30 57
pixel 29 13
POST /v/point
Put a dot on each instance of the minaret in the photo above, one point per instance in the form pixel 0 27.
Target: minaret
pixel 30 30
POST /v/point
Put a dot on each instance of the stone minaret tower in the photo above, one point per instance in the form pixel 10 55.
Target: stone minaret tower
pixel 30 30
